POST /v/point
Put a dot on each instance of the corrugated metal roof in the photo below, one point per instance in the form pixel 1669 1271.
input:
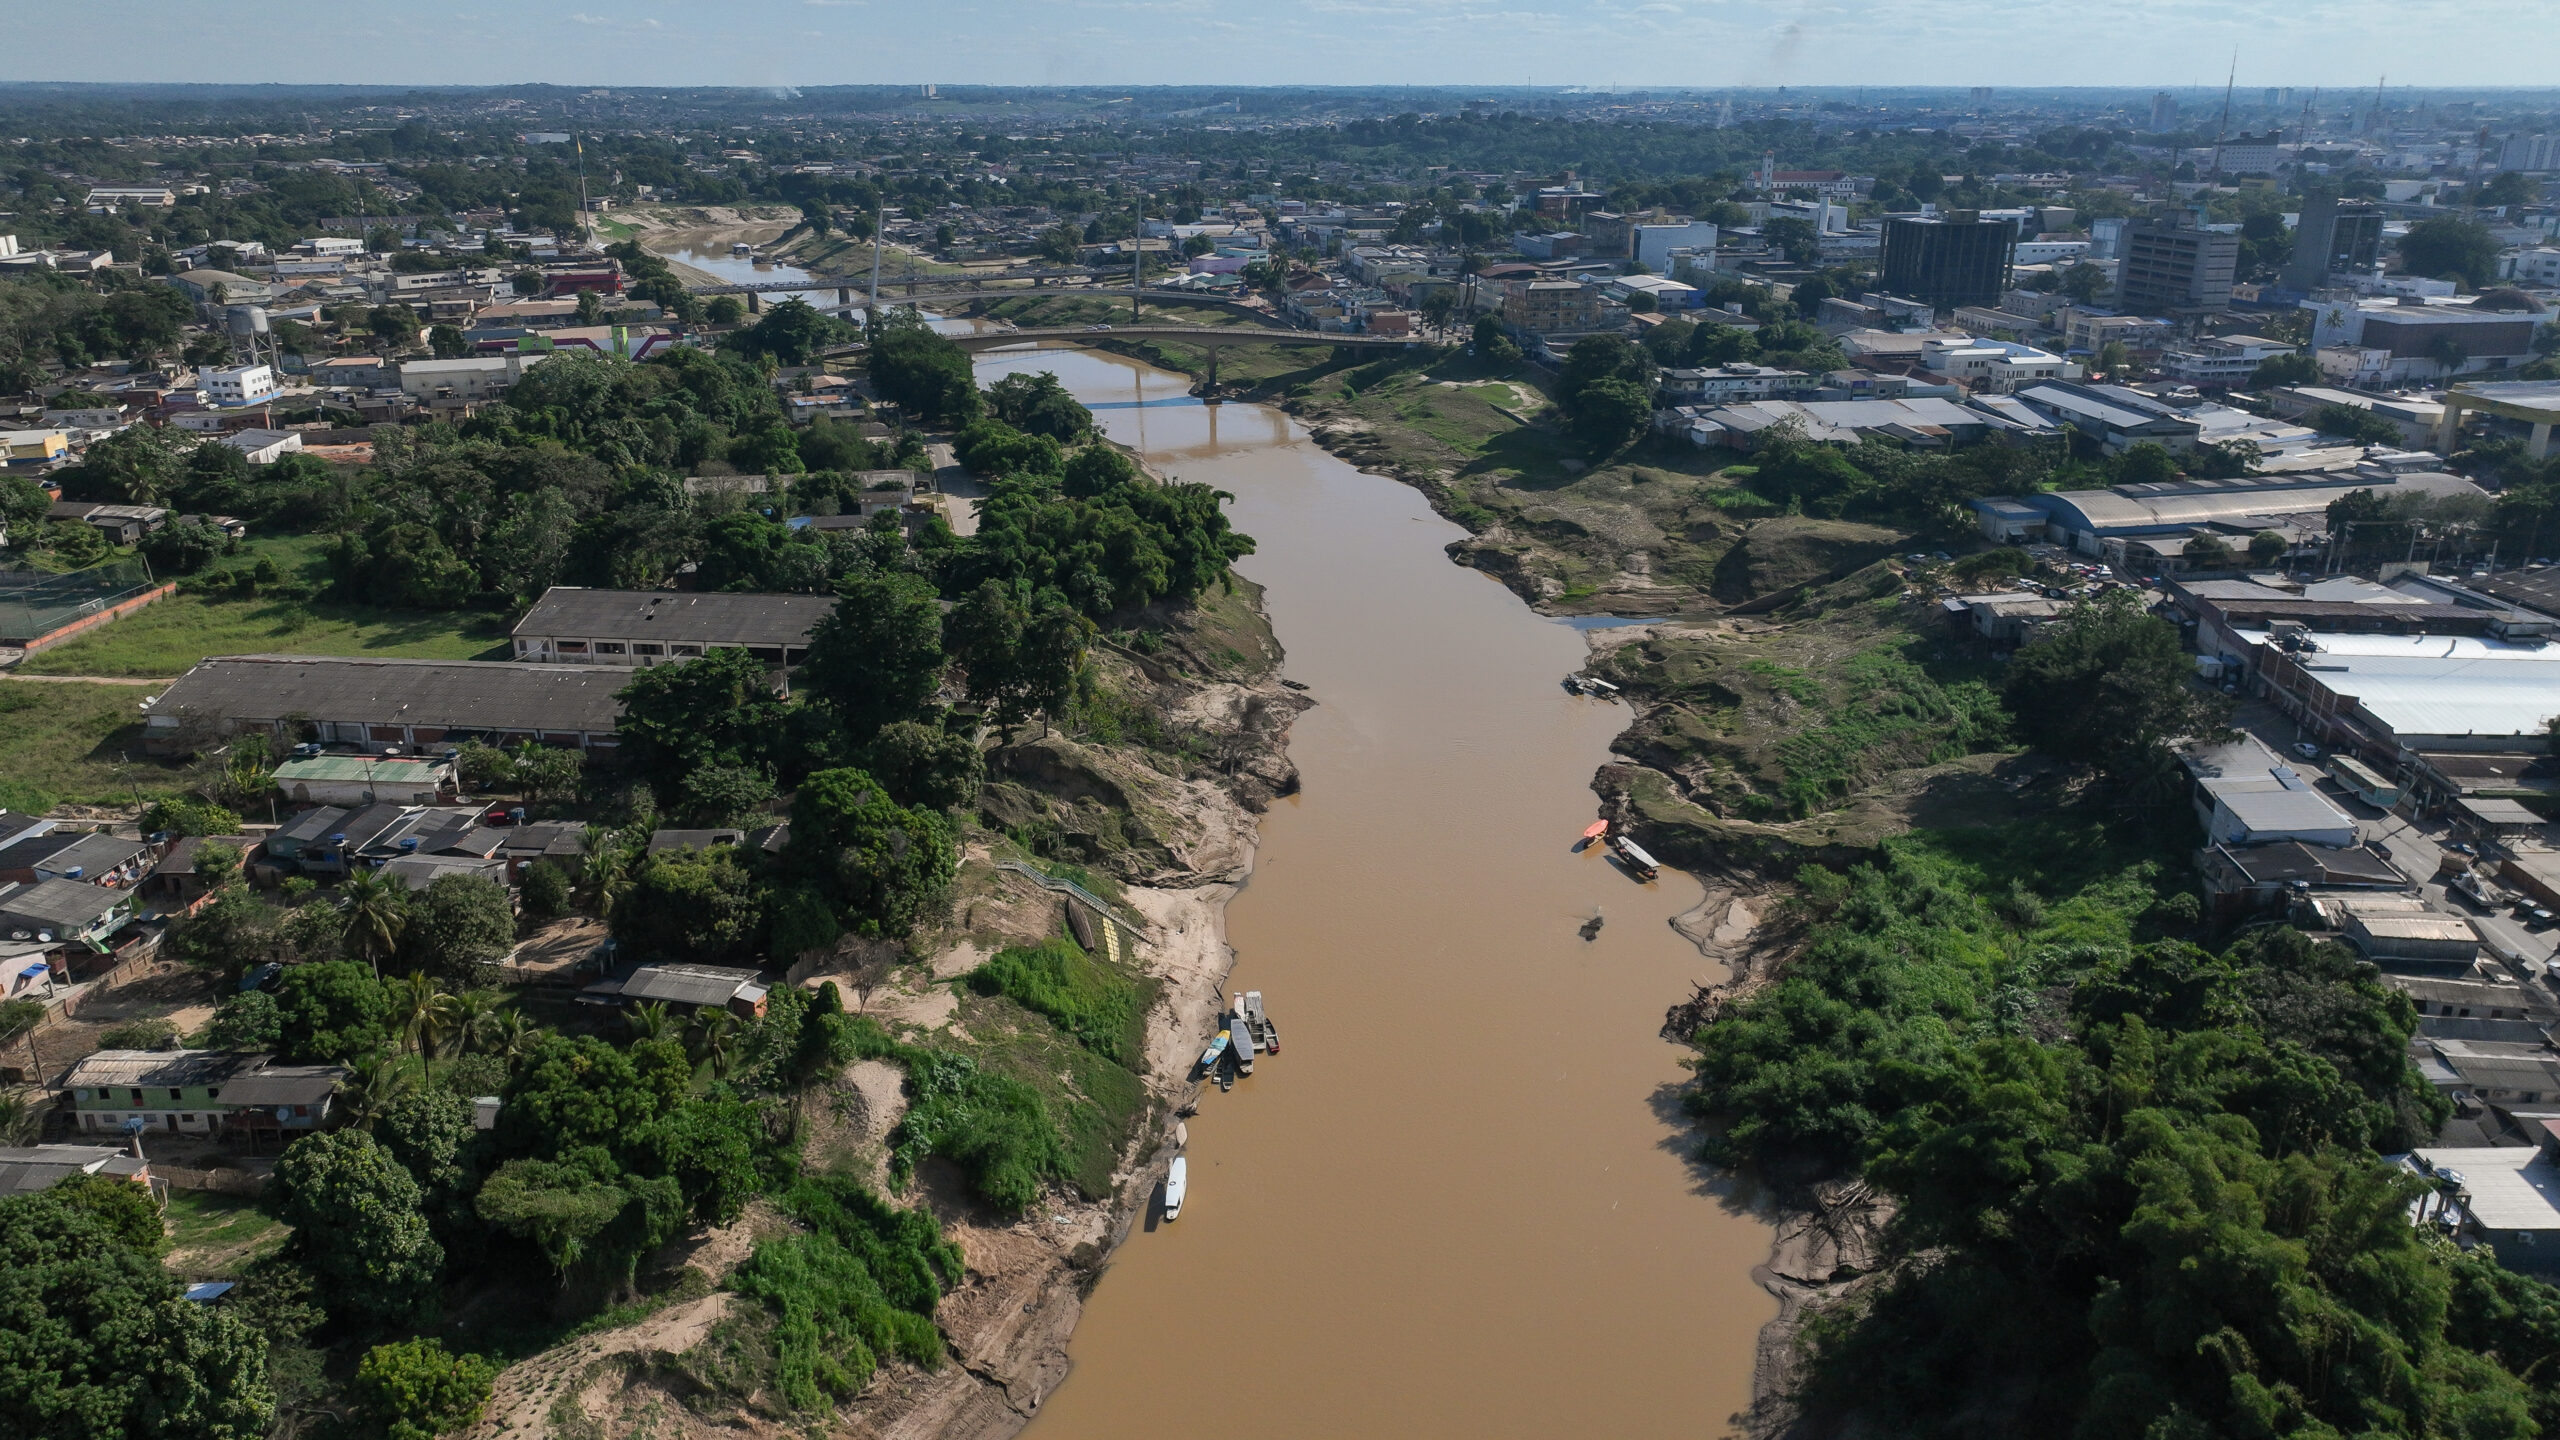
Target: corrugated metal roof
pixel 363 768
pixel 687 984
pixel 446 694
pixel 713 618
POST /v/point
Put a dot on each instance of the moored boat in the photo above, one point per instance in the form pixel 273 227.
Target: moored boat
pixel 1636 859
pixel 1177 1179
pixel 1217 1048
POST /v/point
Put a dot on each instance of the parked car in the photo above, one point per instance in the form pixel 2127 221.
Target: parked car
pixel 2306 749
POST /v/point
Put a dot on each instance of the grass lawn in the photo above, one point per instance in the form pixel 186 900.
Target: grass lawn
pixel 164 639
pixel 76 744
pixel 216 1234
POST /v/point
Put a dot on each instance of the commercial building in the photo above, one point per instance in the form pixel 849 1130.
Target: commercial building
pixel 1651 245
pixel 2404 340
pixel 469 380
pixel 374 703
pixel 1550 307
pixel 1951 260
pixel 2333 236
pixel 572 626
pixel 2089 521
pixel 2222 362
pixel 2174 268
pixel 2389 696
pixel 1726 384
pixel 228 385
pixel 2275 804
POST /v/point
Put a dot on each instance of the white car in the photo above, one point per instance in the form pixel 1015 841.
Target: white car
pixel 2306 749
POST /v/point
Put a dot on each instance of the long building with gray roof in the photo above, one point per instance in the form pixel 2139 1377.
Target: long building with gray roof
pixel 377 703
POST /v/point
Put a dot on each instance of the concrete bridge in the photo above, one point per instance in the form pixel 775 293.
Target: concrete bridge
pixel 861 284
pixel 1212 338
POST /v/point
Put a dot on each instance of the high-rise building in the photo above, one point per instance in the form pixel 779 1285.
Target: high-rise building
pixel 1948 260
pixel 2164 112
pixel 2333 236
pixel 2171 267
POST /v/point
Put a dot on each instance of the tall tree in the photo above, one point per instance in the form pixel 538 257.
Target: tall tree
pixel 2108 685
pixel 358 1227
pixel 877 657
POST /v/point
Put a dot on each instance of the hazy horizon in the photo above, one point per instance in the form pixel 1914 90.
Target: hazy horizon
pixel 1597 43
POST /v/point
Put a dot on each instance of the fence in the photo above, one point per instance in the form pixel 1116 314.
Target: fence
pixel 34 604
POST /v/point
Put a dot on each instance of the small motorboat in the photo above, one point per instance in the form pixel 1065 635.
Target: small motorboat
pixel 1176 1180
pixel 1573 684
pixel 1635 858
pixel 1595 830
pixel 1217 1049
pixel 1181 1136
pixel 1243 1046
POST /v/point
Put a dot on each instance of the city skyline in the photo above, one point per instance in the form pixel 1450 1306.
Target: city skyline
pixel 1596 43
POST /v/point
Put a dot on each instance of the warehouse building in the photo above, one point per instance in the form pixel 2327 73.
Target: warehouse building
pixel 573 626
pixel 378 703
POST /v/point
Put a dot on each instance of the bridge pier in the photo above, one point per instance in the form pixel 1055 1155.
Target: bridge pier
pixel 755 303
pixel 1214 352
pixel 844 295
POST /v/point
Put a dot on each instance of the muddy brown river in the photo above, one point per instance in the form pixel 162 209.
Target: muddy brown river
pixel 1457 1203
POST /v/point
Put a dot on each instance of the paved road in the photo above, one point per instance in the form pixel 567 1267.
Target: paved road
pixel 87 679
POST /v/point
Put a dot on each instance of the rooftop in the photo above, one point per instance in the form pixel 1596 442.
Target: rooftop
pixel 2511 1186
pixel 451 694
pixel 713 618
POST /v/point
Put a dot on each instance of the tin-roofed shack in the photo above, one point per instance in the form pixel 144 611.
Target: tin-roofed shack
pixel 740 992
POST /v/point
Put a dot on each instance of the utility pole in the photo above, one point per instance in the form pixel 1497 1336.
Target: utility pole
pixel 586 215
pixel 879 221
pixel 2223 129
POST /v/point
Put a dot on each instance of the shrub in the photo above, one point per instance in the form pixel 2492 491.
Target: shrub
pixel 545 892
pixel 153 1034
pixel 993 1126
pixel 189 817
pixel 1084 998
pixel 417 1390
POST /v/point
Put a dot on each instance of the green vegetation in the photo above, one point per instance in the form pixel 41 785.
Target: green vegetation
pixel 166 637
pixel 75 744
pixel 100 1343
pixel 2137 1180
pixel 861 1286
pixel 1082 996
pixel 415 1390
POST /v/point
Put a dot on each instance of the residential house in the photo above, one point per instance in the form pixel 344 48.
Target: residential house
pixel 2222 362
pixel 93 859
pixel 25 1169
pixel 66 915
pixel 121 524
pixel 355 780
pixel 199 1092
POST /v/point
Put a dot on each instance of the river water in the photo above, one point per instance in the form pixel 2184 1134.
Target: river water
pixel 1457 1204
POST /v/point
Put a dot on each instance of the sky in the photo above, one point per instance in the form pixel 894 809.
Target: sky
pixel 1687 43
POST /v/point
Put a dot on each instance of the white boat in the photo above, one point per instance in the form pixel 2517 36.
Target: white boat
pixel 1217 1047
pixel 1176 1180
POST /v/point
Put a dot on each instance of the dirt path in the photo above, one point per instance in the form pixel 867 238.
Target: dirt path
pixel 522 1400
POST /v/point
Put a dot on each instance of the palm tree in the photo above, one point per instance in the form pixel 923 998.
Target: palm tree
pixel 506 1034
pixel 19 1120
pixel 376 911
pixel 650 1020
pixel 467 1017
pixel 715 1036
pixel 376 1084
pixel 415 1006
pixel 603 868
